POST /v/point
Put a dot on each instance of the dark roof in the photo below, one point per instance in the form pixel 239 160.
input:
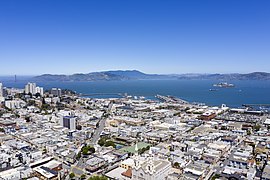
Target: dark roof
pixel 49 170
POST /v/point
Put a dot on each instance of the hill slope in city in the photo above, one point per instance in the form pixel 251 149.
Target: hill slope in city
pixel 137 75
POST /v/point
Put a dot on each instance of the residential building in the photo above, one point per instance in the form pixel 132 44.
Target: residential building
pixel 32 88
pixel 1 90
pixel 56 92
pixel 40 90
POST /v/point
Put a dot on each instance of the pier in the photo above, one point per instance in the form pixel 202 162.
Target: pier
pixel 101 94
pixel 252 105
pixel 170 99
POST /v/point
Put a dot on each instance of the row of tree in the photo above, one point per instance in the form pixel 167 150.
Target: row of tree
pixel 83 176
pixel 106 142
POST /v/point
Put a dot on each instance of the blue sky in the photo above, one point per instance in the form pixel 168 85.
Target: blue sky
pixel 188 36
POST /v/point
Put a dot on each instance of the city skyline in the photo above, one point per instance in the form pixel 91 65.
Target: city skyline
pixel 175 37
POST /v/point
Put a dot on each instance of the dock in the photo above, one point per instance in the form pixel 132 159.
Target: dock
pixel 101 94
pixel 171 99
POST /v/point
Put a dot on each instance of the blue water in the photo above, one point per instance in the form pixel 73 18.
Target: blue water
pixel 245 92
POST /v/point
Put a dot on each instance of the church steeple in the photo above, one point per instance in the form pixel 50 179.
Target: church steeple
pixel 136 158
pixel 150 163
pixel 136 149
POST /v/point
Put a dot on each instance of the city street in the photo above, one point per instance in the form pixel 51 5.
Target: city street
pixel 101 126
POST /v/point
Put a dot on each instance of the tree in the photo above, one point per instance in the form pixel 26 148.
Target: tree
pixel 110 143
pixel 27 118
pixel 102 141
pixel 79 127
pixel 71 175
pixel 79 155
pixel 98 178
pixel 92 150
pixel 253 148
pixel 83 176
pixel 31 103
pixel 216 176
pixel 223 128
pixel 141 151
pixel 85 151
pixel 88 149
pixel 257 127
pixel 45 107
pixel 176 164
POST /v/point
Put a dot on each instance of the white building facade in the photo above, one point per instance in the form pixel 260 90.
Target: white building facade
pixel 32 88
pixel 150 169
pixel 1 90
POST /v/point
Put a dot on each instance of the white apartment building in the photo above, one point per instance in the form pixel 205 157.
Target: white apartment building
pixel 15 104
pixel 32 88
pixel 1 90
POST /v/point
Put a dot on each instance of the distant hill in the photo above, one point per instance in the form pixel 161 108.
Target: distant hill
pixel 137 75
pixel 103 76
pixel 227 77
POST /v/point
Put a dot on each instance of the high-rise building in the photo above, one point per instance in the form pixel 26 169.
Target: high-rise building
pixel 56 92
pixel 40 90
pixel 1 90
pixel 33 89
pixel 69 122
pixel 5 92
pixel 30 88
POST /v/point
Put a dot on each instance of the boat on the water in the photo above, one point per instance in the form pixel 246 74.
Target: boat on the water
pixel 223 85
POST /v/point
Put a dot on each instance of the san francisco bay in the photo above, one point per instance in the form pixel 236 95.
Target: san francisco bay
pixel 244 92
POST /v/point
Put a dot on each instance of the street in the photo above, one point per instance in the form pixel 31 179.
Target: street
pixel 101 126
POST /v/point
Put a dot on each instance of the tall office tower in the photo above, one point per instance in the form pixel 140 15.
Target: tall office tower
pixel 1 90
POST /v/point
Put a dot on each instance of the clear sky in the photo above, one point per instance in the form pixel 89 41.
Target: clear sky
pixel 168 36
